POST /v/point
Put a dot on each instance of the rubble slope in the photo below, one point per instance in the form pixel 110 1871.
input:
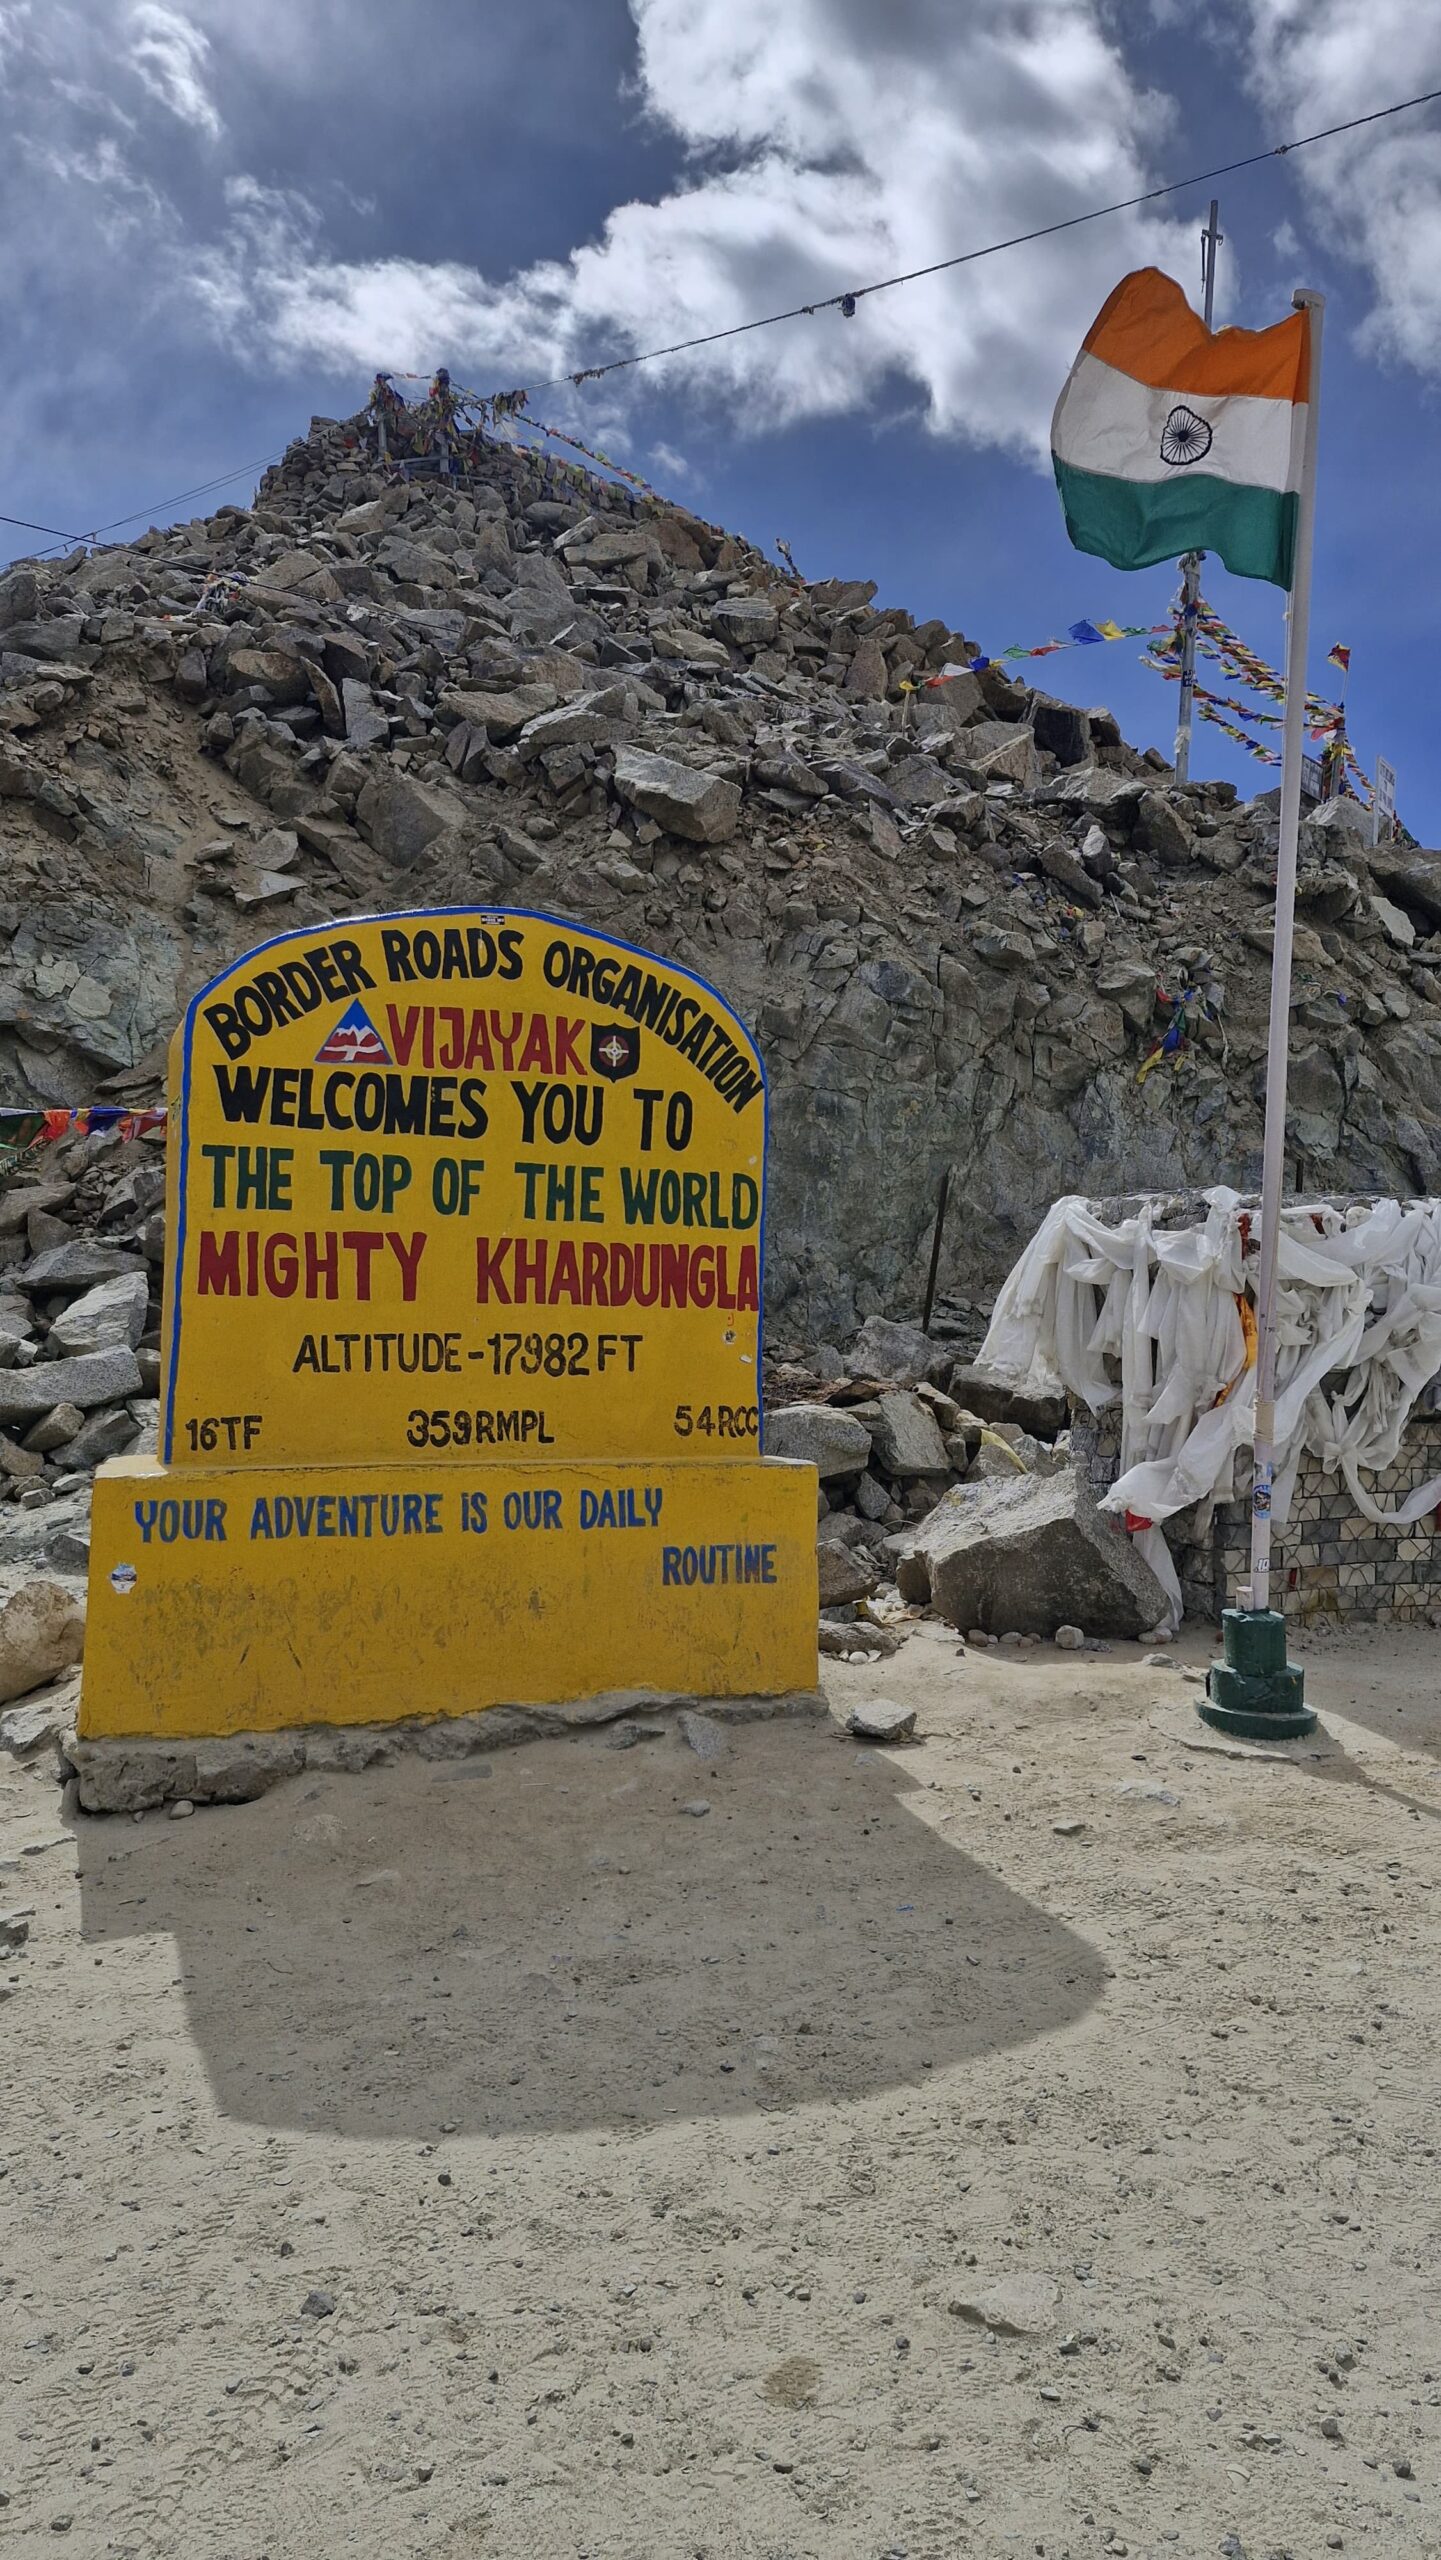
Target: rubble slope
pixel 946 911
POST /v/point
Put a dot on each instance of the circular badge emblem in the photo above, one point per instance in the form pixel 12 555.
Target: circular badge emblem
pixel 1185 437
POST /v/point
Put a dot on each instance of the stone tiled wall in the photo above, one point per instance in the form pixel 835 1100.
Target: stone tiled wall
pixel 1329 1560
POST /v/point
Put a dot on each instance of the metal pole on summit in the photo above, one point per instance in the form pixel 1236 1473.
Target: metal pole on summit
pixel 1256 1690
pixel 1211 239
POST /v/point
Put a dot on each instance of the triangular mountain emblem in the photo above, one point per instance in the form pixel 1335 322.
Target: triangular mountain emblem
pixel 354 1042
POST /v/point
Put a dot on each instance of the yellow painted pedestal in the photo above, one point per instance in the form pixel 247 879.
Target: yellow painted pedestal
pixel 252 1599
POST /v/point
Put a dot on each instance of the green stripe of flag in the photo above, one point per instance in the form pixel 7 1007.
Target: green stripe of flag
pixel 1133 523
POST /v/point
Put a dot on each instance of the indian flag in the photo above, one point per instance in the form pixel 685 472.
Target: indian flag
pixel 1169 437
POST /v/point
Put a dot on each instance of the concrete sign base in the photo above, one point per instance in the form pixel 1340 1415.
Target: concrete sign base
pixel 255 1599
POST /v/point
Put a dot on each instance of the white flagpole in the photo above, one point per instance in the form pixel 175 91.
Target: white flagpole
pixel 1277 1054
pixel 1211 239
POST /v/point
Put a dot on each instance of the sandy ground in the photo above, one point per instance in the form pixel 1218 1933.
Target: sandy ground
pixel 500 2159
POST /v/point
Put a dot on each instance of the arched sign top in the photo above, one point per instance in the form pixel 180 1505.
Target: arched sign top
pixel 468 1183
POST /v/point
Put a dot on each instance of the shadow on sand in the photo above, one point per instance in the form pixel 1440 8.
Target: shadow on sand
pixel 545 1940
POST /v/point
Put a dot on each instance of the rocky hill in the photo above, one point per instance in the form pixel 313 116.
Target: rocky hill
pixel 947 911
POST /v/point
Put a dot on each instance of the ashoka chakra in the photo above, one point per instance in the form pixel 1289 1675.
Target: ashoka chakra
pixel 1185 437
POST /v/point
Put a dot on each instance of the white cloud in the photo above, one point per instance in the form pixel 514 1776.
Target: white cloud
pixel 830 142
pixel 1375 194
pixel 169 55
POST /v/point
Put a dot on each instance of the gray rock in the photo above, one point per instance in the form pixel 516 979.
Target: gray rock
pixel 700 806
pixel 1161 827
pixel 56 640
pixel 42 1631
pixel 748 621
pixel 1414 879
pixel 108 1318
pixel 901 1352
pixel 844 1573
pixel 1027 1557
pixel 81 1264
pixel 42 1719
pixel 24 1466
pixel 589 721
pixel 104 1436
pixel 983 1393
pixel 96 1377
pixel 866 676
pixel 56 1428
pixel 906 1438
pixel 881 1720
pixel 400 817
pixel 822 1435
pixel 278 674
pixel 872 1500
pixel 1063 731
pixel 19 597
pixel 366 725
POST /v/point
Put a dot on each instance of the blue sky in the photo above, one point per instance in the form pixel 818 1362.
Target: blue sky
pixel 219 219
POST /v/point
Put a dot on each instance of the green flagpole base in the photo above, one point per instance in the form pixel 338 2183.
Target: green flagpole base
pixel 1255 1691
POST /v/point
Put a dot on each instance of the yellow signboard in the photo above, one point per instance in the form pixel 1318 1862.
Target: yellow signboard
pixel 456 1184
pixel 461 1387
pixel 250 1599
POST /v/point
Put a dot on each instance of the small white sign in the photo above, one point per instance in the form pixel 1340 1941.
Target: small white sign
pixel 1383 802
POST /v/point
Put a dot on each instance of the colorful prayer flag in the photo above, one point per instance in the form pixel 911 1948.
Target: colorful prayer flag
pixel 1339 657
pixel 1169 437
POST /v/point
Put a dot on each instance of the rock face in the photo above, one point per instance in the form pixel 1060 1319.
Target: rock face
pixel 1029 1557
pixel 945 909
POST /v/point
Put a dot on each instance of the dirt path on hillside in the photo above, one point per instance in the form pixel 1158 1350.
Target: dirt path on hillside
pixel 505 2158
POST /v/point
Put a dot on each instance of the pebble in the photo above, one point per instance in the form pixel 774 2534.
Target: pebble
pixel 1331 2430
pixel 697 1806
pixel 318 2305
pixel 180 1808
pixel 1158 1661
pixel 1068 1830
pixel 1070 1639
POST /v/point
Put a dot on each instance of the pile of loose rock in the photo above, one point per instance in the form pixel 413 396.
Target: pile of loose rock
pixel 82 1238
pixel 956 916
pixel 942 1488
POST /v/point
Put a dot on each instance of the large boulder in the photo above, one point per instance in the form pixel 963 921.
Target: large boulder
pixel 96 1377
pixel 1412 878
pixel 400 817
pixel 701 806
pixel 823 1437
pixel 905 1437
pixel 42 1631
pixel 81 1263
pixel 108 1318
pixel 900 1352
pixel 1028 1557
pixel 843 1574
pixel 992 1400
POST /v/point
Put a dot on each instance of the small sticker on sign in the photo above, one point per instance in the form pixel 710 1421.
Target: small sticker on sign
pixel 123 1578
